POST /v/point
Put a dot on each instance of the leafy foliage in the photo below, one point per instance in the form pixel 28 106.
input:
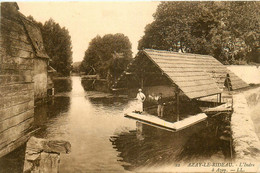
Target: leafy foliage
pixel 57 43
pixel 230 31
pixel 107 56
pixel 76 67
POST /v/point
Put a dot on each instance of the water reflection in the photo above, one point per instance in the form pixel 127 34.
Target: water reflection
pixel 13 162
pixel 87 120
pixel 160 147
pixel 62 84
pixel 48 113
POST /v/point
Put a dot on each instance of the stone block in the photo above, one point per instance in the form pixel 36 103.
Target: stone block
pixel 43 155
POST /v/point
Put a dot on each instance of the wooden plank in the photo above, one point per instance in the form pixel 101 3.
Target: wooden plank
pixel 16 51
pixel 159 52
pixel 152 120
pixel 177 103
pixel 10 79
pixel 15 132
pixel 222 108
pixel 201 93
pixel 177 57
pixel 184 59
pixel 187 61
pixel 19 52
pixel 16 79
pixel 14 121
pixel 175 54
pixel 10 90
pixel 19 60
pixel 15 110
pixel 9 72
pixel 18 44
pixel 15 99
pixel 21 36
pixel 194 83
pixel 189 78
pixel 200 87
pixel 13 65
pixel 186 74
pixel 220 71
pixel 172 126
pixel 15 144
pixel 11 25
pixel 185 66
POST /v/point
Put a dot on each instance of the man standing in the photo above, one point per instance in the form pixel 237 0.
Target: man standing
pixel 160 106
pixel 140 99
pixel 227 83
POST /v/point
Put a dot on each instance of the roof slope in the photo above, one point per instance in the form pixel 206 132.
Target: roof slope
pixel 192 67
pixel 185 71
pixel 35 36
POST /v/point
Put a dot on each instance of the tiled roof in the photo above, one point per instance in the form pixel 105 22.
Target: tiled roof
pixel 185 71
pixel 193 65
pixel 35 36
pixel 196 75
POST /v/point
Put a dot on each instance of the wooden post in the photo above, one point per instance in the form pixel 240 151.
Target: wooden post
pixel 142 81
pixel 220 98
pixel 177 104
pixel 139 130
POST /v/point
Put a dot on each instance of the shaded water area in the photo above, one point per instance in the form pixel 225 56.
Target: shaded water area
pixel 103 140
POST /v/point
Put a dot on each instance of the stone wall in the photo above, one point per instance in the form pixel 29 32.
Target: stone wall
pixel 245 141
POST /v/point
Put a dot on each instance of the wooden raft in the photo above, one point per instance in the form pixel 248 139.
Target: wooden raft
pixel 170 126
pixel 227 107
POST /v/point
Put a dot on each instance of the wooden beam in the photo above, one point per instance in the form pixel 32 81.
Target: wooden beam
pixel 177 104
pixel 118 89
pixel 142 81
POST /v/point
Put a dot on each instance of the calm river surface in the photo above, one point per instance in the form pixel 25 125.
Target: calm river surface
pixel 87 123
pixel 103 140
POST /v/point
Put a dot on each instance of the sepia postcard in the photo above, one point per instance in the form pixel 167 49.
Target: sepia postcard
pixel 130 86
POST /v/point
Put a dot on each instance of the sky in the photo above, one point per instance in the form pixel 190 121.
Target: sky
pixel 86 20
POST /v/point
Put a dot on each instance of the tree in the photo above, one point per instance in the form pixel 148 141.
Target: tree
pixel 76 67
pixel 107 56
pixel 57 43
pixel 227 30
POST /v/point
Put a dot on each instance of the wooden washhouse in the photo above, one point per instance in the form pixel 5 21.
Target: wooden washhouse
pixel 184 79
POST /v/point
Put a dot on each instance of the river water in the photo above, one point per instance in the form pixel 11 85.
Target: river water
pixel 103 140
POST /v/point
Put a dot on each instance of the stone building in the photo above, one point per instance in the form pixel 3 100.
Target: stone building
pixel 23 76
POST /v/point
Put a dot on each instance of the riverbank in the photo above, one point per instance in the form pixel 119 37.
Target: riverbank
pixel 244 130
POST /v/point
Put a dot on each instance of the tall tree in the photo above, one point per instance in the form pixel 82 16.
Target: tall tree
pixel 57 43
pixel 227 30
pixel 107 56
